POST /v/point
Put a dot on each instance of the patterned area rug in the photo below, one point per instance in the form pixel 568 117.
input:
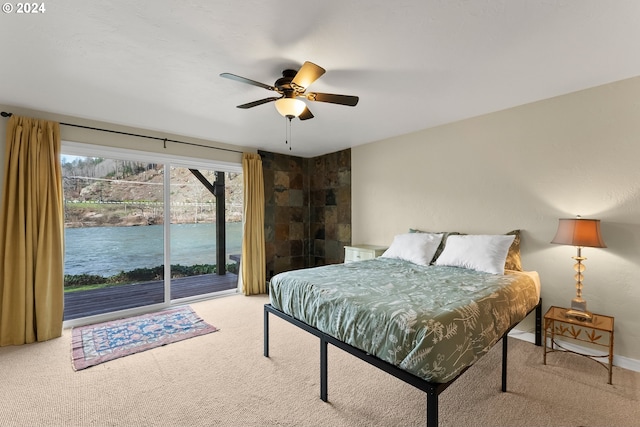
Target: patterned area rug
pixel 101 342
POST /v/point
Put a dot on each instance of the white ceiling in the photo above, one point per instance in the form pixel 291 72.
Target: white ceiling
pixel 155 64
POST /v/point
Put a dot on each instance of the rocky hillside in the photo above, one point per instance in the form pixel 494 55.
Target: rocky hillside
pixel 101 192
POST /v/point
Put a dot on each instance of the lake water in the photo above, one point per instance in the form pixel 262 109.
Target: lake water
pixel 109 250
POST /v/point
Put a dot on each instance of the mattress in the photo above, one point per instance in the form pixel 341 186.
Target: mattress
pixel 431 321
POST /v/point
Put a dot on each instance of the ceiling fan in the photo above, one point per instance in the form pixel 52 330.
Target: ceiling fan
pixel 292 86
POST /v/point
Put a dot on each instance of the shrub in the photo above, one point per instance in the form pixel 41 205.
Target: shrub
pixel 78 280
pixel 143 275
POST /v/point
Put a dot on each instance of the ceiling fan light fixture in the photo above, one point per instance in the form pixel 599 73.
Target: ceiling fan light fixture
pixel 291 88
pixel 290 106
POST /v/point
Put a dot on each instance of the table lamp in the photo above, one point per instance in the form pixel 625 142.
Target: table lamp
pixel 579 232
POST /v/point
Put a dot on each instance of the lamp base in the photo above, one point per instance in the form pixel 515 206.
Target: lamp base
pixel 579 310
pixel 579 304
pixel 581 316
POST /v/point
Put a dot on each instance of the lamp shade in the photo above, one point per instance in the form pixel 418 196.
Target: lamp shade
pixel 290 106
pixel 579 232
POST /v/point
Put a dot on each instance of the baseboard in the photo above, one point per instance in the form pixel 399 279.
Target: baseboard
pixel 620 361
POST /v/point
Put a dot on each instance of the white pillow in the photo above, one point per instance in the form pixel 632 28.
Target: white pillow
pixel 418 248
pixel 477 252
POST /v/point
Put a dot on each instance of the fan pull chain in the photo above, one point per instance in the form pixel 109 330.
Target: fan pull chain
pixel 287 131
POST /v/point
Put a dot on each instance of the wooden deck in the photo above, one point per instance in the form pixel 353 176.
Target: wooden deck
pixel 99 301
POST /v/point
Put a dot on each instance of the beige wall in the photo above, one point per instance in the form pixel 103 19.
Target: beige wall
pixel 524 168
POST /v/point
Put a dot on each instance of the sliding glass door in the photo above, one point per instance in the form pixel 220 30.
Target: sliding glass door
pixel 140 232
pixel 205 232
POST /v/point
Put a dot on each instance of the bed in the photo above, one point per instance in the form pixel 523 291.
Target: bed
pixel 424 312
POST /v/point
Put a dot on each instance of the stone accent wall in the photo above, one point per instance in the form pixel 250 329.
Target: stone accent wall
pixel 330 207
pixel 307 210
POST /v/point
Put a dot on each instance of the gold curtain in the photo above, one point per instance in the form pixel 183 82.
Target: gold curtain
pixel 31 234
pixel 253 264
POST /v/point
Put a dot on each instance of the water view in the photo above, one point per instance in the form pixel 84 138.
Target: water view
pixel 106 251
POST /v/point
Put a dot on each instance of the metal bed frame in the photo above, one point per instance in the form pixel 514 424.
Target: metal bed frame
pixel 433 390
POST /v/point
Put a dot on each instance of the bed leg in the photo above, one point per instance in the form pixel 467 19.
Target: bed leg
pixel 432 408
pixel 323 369
pixel 266 332
pixel 504 363
pixel 539 323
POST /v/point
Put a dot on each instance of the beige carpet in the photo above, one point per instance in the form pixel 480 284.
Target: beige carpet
pixel 222 379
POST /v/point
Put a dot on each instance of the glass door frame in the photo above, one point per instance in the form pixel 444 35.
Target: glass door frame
pixel 93 150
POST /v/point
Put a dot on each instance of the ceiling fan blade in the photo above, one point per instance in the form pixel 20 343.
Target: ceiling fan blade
pixel 349 100
pixel 306 114
pixel 246 80
pixel 259 102
pixel 307 74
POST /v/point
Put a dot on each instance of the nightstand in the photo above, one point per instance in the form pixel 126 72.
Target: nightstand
pixel 597 332
pixel 361 252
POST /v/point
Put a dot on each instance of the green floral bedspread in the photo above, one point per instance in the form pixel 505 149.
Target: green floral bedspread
pixel 432 321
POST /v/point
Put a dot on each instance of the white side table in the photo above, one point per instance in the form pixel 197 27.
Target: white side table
pixel 361 252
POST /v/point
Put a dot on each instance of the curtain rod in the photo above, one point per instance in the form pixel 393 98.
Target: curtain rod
pixel 165 140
